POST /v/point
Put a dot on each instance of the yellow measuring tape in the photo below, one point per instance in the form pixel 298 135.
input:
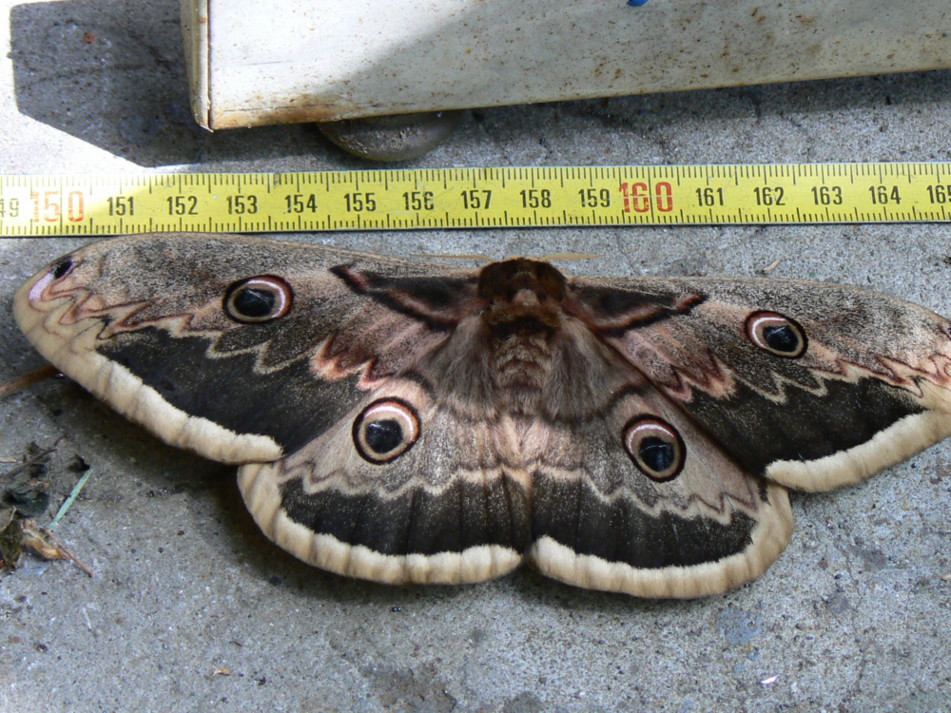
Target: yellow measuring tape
pixel 395 199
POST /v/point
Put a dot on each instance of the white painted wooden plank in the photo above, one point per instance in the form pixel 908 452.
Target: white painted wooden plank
pixel 286 60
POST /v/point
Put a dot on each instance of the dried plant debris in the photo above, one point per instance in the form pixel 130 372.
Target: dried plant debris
pixel 769 268
pixel 24 495
pixel 78 465
pixel 20 534
pixel 41 541
pixel 17 384
pixel 25 486
pixel 11 541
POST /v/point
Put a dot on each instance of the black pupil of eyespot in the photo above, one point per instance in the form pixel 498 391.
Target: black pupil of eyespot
pixel 254 302
pixel 62 268
pixel 384 435
pixel 781 338
pixel 657 454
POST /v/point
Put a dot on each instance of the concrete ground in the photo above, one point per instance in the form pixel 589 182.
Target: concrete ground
pixel 191 609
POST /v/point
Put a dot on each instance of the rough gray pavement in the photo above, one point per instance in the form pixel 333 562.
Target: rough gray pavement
pixel 191 609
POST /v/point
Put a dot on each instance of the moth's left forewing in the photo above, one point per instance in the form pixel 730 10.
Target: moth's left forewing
pixel 143 323
pixel 870 386
pixel 84 305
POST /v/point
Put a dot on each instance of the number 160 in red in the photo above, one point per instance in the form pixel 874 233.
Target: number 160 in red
pixel 639 198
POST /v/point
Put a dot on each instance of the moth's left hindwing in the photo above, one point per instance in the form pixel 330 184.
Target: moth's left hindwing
pixel 399 421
